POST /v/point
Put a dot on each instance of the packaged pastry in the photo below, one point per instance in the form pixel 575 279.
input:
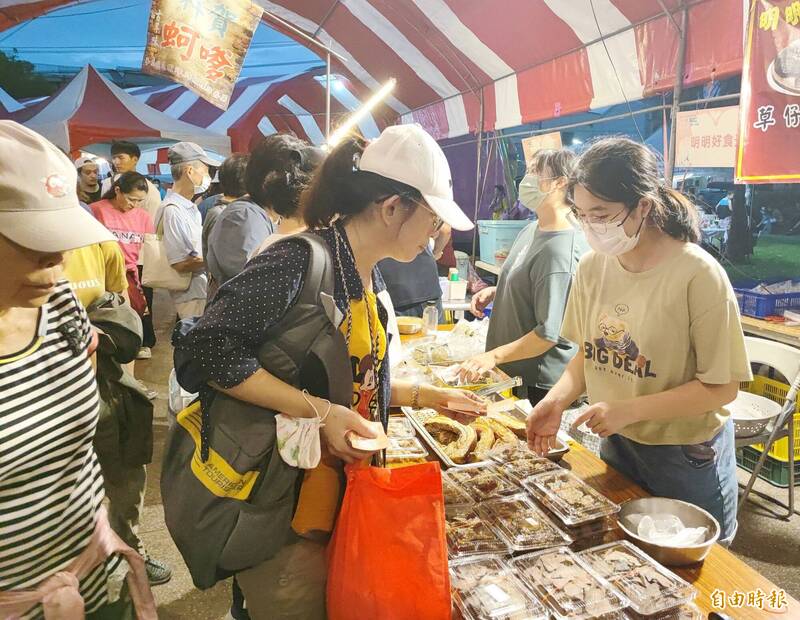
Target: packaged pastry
pixel 488 485
pixel 568 497
pixel 649 587
pixel 468 534
pixel 522 524
pixel 453 494
pixel 519 469
pixel 593 529
pixel 486 588
pixel 401 448
pixel 567 585
pixel 400 426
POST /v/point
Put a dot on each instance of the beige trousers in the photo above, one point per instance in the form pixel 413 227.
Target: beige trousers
pixel 290 586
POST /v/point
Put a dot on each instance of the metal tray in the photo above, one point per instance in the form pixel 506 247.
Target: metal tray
pixel 416 418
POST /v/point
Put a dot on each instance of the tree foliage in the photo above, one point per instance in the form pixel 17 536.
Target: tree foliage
pixel 19 80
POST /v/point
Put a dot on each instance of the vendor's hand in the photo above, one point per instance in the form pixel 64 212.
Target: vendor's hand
pixel 606 419
pixel 481 299
pixel 476 367
pixel 543 424
pixel 440 398
pixel 338 424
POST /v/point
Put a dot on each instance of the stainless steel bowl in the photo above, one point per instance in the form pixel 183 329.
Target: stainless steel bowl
pixel 689 514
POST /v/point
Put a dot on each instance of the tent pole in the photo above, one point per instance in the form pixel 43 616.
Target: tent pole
pixel 680 66
pixel 328 96
pixel 478 179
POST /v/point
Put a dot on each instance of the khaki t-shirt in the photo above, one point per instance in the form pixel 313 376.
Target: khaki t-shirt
pixel 94 270
pixel 644 333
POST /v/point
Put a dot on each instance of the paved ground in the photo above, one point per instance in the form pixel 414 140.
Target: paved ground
pixel 769 545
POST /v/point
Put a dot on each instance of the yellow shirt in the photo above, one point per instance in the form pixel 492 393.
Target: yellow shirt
pixel 644 333
pixel 321 489
pixel 94 270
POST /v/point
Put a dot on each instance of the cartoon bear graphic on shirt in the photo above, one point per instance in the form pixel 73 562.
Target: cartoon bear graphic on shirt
pixel 616 338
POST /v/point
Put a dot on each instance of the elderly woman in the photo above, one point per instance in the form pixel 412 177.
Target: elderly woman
pixel 58 552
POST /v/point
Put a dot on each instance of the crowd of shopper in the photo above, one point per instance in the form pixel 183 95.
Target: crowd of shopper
pixel 282 287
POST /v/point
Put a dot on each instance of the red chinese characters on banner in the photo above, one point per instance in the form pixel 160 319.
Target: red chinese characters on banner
pixel 201 43
pixel 769 122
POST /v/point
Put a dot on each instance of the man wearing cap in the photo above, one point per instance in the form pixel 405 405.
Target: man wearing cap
pixel 51 487
pixel 88 185
pixel 182 224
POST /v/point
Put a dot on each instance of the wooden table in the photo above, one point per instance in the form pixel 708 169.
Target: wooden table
pixel 721 570
pixel 774 331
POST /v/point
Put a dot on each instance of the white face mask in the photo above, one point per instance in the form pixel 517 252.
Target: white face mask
pixel 529 193
pixel 614 241
pixel 298 438
pixel 204 185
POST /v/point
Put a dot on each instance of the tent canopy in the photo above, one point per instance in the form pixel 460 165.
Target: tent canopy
pixel 89 112
pixel 8 105
pixel 262 106
pixel 524 60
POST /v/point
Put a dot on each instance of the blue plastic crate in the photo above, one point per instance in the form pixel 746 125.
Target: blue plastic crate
pixel 498 236
pixel 762 305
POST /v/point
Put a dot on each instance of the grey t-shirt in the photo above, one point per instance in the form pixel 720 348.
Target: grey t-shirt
pixel 532 295
pixel 238 231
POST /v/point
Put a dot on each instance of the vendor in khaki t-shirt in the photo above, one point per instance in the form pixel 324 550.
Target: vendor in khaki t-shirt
pixel 661 349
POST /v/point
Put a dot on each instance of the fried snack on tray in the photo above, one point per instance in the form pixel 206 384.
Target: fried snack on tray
pixel 486 440
pixel 511 423
pixel 467 534
pixel 457 440
pixel 502 435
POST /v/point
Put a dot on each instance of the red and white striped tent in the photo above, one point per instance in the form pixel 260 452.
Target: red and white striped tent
pixel 89 112
pixel 505 61
pixel 265 105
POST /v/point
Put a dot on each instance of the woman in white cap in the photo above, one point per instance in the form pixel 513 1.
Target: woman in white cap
pixel 57 552
pixel 367 203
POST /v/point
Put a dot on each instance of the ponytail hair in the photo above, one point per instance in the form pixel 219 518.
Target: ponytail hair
pixel 624 171
pixel 340 189
pixel 127 182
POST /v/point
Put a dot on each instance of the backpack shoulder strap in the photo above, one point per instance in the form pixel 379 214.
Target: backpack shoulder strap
pixel 319 276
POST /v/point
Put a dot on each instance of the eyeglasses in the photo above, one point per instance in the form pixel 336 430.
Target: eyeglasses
pixel 438 222
pixel 135 202
pixel 599 223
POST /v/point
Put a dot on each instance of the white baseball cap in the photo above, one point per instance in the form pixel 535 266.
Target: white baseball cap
pixel 82 161
pixel 39 207
pixel 410 155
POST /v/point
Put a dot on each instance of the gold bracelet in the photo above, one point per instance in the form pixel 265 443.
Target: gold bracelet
pixel 415 396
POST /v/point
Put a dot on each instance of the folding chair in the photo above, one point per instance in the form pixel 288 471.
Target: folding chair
pixel 786 360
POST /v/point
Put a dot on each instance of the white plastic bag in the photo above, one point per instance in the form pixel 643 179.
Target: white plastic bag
pixel 667 529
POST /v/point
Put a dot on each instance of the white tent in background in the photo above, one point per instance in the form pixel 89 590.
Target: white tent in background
pixel 8 105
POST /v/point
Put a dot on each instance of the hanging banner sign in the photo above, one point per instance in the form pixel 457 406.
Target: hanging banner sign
pixel 769 127
pixel 707 138
pixel 536 143
pixel 200 44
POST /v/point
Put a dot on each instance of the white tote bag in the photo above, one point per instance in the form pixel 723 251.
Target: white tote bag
pixel 156 270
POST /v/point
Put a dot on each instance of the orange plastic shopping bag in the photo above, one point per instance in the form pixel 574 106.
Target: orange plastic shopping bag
pixel 388 555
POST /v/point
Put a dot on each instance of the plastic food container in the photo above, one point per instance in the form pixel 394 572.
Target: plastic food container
pixel 522 524
pixel 649 587
pixel 519 469
pixel 453 494
pixel 690 611
pixel 592 529
pixel 400 427
pixel 572 500
pixel 488 485
pixel 469 535
pixel 567 585
pixel 401 448
pixel 486 588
